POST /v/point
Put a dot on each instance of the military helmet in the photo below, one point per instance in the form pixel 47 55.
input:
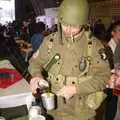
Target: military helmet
pixel 73 12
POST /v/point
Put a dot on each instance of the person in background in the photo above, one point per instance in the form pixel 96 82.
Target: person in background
pixel 38 36
pixel 10 55
pixel 117 72
pixel 113 35
pixel 10 51
pixel 99 29
pixel 71 61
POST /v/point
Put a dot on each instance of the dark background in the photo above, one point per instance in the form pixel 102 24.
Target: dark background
pixel 25 9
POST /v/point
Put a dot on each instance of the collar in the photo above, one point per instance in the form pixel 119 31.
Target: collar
pixel 73 39
pixel 112 44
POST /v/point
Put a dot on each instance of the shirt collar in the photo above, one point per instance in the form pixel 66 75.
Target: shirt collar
pixel 75 38
pixel 112 44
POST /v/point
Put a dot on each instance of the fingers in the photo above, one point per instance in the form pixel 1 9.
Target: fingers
pixel 34 84
pixel 37 82
pixel 64 95
pixel 43 83
pixel 113 71
pixel 67 92
pixel 118 81
pixel 112 81
pixel 110 84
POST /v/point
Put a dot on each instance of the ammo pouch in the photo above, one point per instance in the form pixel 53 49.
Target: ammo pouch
pixel 95 100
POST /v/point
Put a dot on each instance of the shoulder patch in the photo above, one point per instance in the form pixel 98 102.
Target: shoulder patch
pixel 102 53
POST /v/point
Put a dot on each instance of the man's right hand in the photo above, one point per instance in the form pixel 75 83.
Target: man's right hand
pixel 37 82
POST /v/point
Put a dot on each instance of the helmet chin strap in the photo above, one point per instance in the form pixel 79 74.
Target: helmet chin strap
pixel 82 30
pixel 72 37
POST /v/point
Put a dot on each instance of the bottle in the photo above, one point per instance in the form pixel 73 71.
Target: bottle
pixel 2 118
pixel 36 111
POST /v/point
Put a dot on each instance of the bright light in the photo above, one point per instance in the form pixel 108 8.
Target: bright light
pixel 7 11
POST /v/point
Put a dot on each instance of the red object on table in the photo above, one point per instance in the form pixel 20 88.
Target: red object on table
pixel 9 77
pixel 116 89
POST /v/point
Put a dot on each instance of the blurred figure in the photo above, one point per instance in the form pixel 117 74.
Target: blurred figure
pixel 115 80
pixel 99 29
pixel 113 36
pixel 10 51
pixel 38 35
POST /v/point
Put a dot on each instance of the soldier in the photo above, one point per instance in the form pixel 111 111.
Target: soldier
pixel 74 63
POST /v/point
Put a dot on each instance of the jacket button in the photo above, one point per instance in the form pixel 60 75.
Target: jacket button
pixel 57 79
pixel 73 82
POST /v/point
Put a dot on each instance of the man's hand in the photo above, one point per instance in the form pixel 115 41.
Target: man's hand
pixel 37 82
pixel 112 80
pixel 67 91
pixel 115 79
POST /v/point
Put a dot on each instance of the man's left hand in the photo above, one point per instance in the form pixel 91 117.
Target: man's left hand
pixel 67 91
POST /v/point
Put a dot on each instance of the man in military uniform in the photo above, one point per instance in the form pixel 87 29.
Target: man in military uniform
pixel 74 63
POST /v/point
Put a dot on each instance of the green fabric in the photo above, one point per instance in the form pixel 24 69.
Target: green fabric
pixel 14 112
pixel 64 73
pixel 21 118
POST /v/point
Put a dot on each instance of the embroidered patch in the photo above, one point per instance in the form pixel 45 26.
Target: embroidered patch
pixel 82 64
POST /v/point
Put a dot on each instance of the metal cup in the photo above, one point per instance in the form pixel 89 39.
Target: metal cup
pixel 34 111
pixel 2 118
pixel 48 100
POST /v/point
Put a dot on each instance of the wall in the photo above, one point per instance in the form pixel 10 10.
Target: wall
pixel 108 11
pixel 23 9
pixel 100 10
pixel 7 11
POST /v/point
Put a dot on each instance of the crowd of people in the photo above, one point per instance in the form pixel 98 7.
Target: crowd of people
pixel 72 59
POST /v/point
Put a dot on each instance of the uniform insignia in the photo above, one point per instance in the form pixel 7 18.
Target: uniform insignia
pixel 83 64
pixel 102 54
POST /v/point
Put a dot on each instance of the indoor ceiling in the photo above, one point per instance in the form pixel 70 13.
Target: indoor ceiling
pixel 88 0
pixel 96 0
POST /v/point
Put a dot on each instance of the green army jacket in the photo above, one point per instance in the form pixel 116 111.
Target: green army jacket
pixel 75 61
